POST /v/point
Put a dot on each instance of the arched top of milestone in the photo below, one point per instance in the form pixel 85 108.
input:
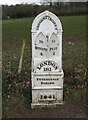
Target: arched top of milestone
pixel 46 15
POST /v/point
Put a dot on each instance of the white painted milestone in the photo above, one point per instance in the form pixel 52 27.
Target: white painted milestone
pixel 47 74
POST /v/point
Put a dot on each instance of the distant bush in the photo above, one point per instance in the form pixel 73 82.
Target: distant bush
pixel 30 10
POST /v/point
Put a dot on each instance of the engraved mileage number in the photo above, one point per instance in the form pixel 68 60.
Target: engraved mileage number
pixel 47 69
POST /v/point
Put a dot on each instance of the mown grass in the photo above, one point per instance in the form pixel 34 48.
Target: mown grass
pixel 74 39
pixel 17 30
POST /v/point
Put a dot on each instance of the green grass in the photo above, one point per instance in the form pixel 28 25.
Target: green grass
pixel 17 30
pixel 74 26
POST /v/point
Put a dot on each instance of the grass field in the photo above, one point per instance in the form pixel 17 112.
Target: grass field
pixel 16 87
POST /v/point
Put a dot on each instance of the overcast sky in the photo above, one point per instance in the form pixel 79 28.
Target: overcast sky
pixel 13 2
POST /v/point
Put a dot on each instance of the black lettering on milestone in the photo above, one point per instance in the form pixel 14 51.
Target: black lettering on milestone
pixel 39 67
pixel 35 47
pixel 49 62
pixel 45 63
pixel 40 41
pixel 55 67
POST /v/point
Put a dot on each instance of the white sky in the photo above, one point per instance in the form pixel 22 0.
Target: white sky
pixel 13 2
